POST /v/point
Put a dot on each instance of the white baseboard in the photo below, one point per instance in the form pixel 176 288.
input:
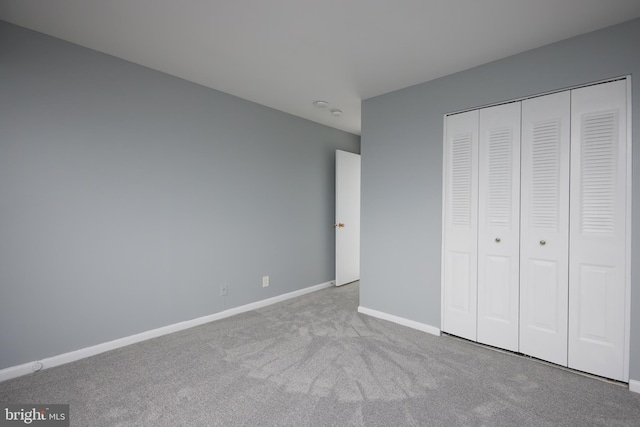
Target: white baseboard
pixel 72 356
pixel 634 386
pixel 400 321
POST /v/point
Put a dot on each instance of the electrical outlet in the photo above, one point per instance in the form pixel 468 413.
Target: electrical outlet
pixel 265 281
pixel 224 290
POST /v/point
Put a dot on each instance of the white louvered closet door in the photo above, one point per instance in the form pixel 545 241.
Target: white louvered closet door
pixel 499 226
pixel 597 270
pixel 544 235
pixel 459 272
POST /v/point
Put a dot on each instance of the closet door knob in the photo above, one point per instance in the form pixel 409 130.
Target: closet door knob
pixel 542 243
pixel 497 240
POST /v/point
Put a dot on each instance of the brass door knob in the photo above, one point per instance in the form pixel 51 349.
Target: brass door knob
pixel 497 240
pixel 339 225
pixel 542 243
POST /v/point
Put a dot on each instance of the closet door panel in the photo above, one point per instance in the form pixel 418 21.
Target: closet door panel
pixel 460 225
pixel 544 238
pixel 499 226
pixel 597 269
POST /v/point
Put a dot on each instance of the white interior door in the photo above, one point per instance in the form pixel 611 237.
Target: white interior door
pixel 460 225
pixel 597 265
pixel 347 225
pixel 499 226
pixel 544 233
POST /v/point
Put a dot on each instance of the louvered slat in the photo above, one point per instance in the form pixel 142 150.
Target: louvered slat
pixel 545 164
pixel 598 171
pixel 499 179
pixel 460 198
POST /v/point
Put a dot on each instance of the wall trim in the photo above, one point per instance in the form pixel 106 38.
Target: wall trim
pixel 400 320
pixel 72 356
pixel 634 386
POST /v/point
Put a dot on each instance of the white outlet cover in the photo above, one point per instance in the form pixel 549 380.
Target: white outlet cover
pixel 265 281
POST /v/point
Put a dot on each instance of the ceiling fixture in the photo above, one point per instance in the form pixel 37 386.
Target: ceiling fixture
pixel 336 112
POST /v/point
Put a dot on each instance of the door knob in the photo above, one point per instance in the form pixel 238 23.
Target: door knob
pixel 542 243
pixel 497 240
pixel 339 225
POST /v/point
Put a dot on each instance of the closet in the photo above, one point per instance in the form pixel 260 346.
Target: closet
pixel 535 227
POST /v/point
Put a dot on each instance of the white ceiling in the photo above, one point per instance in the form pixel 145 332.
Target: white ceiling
pixel 287 53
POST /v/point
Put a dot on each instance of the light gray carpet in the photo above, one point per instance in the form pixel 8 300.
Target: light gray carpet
pixel 314 361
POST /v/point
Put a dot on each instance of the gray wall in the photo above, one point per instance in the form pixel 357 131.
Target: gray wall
pixel 127 197
pixel 402 165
